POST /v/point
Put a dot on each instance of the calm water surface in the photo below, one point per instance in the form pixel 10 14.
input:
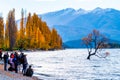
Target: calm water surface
pixel 71 64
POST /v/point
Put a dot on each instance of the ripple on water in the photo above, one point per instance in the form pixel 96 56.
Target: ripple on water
pixel 73 65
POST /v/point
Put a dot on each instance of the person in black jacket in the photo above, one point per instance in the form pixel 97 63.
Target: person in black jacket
pixel 29 71
pixel 5 60
pixel 25 63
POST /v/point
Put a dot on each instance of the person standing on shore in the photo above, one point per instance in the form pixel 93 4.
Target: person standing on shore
pixel 20 61
pixel 16 61
pixel 25 63
pixel 6 56
pixel 1 54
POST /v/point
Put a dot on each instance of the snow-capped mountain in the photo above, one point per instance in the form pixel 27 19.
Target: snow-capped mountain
pixel 74 24
pixel 58 17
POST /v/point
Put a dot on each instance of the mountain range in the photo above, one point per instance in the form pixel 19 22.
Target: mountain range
pixel 73 25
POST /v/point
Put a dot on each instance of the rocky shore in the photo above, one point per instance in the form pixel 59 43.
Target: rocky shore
pixel 8 75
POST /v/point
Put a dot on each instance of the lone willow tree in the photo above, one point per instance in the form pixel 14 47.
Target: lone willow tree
pixel 94 43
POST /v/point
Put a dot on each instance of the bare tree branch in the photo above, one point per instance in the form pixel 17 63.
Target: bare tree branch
pixel 96 41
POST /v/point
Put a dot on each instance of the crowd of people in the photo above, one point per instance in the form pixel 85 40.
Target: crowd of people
pixel 15 60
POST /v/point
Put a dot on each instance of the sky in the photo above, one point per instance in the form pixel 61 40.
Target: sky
pixel 44 6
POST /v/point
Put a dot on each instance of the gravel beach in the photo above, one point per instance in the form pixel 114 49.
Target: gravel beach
pixel 8 75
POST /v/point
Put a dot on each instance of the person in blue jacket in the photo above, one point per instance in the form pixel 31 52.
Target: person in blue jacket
pixel 16 61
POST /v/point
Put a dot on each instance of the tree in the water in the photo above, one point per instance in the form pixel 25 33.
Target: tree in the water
pixel 95 42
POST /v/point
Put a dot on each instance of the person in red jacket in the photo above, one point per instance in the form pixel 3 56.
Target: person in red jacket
pixel 11 55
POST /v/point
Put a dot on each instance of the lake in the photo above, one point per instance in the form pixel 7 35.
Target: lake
pixel 71 64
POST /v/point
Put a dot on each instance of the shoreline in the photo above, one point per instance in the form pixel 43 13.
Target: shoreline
pixel 11 75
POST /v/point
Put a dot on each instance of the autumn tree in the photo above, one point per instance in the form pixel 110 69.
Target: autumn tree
pixel 11 29
pixel 28 31
pixel 35 34
pixel 40 39
pixel 94 42
pixel 6 36
pixel 39 36
pixel 21 33
pixel 1 32
pixel 59 42
pixel 47 35
pixel 22 29
pixel 56 41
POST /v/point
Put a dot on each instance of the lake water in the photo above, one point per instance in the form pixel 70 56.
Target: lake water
pixel 71 64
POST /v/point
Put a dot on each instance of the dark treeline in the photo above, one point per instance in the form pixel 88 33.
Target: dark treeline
pixel 114 45
pixel 33 33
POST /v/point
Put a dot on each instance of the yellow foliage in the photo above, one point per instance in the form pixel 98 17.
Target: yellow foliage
pixel 34 35
pixel 1 32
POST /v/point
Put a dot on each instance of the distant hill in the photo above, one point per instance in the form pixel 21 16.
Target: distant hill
pixel 79 44
pixel 74 44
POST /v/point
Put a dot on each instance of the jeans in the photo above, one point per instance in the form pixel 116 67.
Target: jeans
pixel 16 68
pixel 24 69
pixel 5 66
pixel 0 56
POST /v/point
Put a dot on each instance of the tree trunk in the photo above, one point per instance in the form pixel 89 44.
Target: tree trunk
pixel 89 54
pixel 88 57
